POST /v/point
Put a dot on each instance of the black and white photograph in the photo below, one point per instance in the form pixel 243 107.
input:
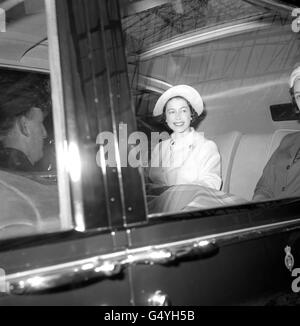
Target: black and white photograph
pixel 149 155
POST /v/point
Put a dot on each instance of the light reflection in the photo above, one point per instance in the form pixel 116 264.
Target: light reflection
pixel 79 217
pixel 102 160
pixel 36 281
pixel 74 162
pixel 160 254
pixel 130 259
pixel 203 243
pixel 22 284
pixel 107 267
pixel 88 267
pixel 157 299
pixel 150 256
pixel 69 157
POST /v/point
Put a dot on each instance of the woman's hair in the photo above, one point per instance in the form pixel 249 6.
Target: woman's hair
pixel 162 118
pixel 293 97
pixel 295 75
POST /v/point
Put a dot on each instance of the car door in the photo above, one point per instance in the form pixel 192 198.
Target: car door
pixel 231 54
pixel 73 261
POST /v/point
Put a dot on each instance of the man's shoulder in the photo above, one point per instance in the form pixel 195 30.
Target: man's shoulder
pixel 291 138
pixel 14 159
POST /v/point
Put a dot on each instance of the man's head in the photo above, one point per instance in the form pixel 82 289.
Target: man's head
pixel 21 117
pixel 32 132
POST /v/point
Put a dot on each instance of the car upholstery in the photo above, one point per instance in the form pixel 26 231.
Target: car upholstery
pixel 28 206
pixel 244 158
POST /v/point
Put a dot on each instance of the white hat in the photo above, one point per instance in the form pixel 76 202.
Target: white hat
pixel 185 91
pixel 294 76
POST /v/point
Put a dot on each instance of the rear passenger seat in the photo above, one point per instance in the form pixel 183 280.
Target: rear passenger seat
pixel 244 158
pixel 227 145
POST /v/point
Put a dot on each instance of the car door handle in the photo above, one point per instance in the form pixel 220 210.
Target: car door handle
pixel 78 273
pixel 173 254
pixel 196 250
pixel 64 276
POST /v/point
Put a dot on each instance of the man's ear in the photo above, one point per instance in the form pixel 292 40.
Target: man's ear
pixel 22 123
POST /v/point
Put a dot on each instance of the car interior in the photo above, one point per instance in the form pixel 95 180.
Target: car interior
pixel 239 61
pixel 241 72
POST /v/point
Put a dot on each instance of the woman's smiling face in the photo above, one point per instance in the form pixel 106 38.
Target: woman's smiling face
pixel 178 115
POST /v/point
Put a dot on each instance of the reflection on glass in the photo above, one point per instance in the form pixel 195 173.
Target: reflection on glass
pixel 27 187
pixel 239 74
pixel 28 179
pixel 73 162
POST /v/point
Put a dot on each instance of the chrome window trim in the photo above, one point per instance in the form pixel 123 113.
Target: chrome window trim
pixel 206 35
pixel 58 116
pixel 153 84
pixel 139 6
pixel 272 4
pixel 23 68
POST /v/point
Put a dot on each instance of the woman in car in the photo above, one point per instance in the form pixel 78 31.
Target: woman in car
pixel 281 175
pixel 187 157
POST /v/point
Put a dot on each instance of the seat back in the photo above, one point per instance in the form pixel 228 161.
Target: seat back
pixel 251 157
pixel 227 145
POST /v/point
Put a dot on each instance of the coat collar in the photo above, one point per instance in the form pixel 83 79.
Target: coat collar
pixel 295 146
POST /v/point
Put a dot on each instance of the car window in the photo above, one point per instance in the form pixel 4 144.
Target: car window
pixel 29 193
pixel 239 57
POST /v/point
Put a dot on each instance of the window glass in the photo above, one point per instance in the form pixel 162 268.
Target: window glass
pixel 28 175
pixel 238 57
pixel 146 24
